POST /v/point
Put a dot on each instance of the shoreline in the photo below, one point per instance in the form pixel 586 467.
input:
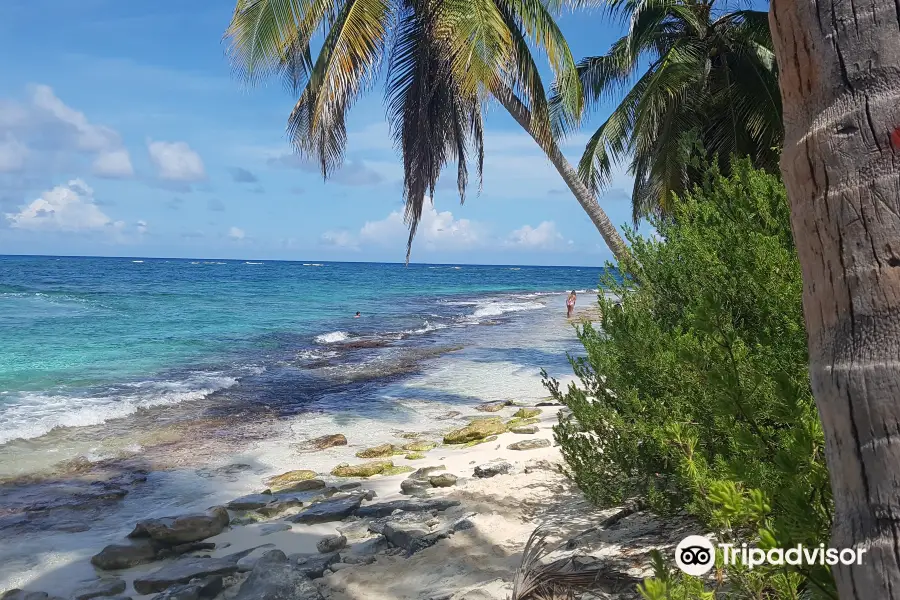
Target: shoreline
pixel 481 533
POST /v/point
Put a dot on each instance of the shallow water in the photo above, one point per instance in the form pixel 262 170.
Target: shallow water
pixel 178 369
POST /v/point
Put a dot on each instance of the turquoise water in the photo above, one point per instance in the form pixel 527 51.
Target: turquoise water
pixel 86 340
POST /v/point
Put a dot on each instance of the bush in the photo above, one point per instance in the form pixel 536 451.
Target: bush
pixel 696 390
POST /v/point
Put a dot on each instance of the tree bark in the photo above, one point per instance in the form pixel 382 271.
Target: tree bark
pixel 584 195
pixel 839 65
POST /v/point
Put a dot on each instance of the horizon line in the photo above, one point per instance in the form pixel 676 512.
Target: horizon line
pixel 283 260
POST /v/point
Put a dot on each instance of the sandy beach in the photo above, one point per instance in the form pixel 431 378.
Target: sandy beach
pixel 468 547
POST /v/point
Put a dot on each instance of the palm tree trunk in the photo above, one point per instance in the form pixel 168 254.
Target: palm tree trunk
pixel 839 68
pixel 585 197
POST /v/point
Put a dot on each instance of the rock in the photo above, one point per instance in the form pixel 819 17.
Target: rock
pixel 277 578
pixel 251 502
pixel 414 456
pixel 363 551
pixel 17 594
pixel 313 566
pixel 548 404
pixel 412 487
pixel 271 528
pixel 364 470
pixel 278 507
pixel 208 587
pixel 477 430
pixel 248 562
pixel 524 429
pixel 419 446
pixel 349 486
pixel 331 543
pixel 383 509
pixel 229 472
pixel 287 481
pixel 184 549
pixel 124 556
pixel 527 413
pixel 442 480
pixel 185 528
pixel 493 468
pixel 450 415
pixel 98 588
pixel 396 470
pixel 517 422
pixel 335 567
pixel 302 486
pixel 532 444
pixel 327 441
pixel 337 509
pixel 424 472
pixel 183 571
pixel 493 406
pixel 414 537
pixel 492 438
pixel 408 435
pixel 382 451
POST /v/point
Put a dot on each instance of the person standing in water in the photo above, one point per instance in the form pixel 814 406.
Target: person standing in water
pixel 570 305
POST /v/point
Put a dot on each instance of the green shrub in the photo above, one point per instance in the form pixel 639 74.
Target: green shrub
pixel 696 390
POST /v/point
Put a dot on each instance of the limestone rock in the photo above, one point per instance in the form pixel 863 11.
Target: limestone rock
pixel 527 413
pixel 313 566
pixel 247 563
pixel 532 444
pixel 208 587
pixel 414 456
pixel 288 481
pixel 278 507
pixel 17 594
pixel 493 468
pixel 476 430
pixel 328 441
pixel 419 446
pixel 383 509
pixel 331 543
pixel 492 406
pixel 183 571
pixel 525 429
pixel 412 487
pixel 382 451
pixel 184 528
pixel 275 577
pixel 124 556
pixel 270 528
pixel 251 502
pixel 336 509
pixel 98 588
pixel 363 470
pixel 442 480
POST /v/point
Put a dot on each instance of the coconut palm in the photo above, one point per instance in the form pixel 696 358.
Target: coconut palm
pixel 444 60
pixel 686 74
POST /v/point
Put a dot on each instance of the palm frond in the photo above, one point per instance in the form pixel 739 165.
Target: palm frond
pixel 347 62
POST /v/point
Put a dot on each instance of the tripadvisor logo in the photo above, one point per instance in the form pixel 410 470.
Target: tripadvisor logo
pixel 696 555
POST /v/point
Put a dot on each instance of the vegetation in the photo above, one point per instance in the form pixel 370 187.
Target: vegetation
pixel 445 59
pixel 683 65
pixel 696 394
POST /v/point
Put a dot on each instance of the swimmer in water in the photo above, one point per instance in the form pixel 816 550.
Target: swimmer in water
pixel 357 315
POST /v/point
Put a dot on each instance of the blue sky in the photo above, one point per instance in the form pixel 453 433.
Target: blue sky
pixel 123 133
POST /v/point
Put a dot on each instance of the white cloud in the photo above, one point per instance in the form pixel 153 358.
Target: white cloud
pixel 68 207
pixel 176 161
pixel 436 230
pixel 141 227
pixel 340 239
pixel 87 136
pixel 13 154
pixel 115 164
pixel 236 233
pixel 42 132
pixel 544 236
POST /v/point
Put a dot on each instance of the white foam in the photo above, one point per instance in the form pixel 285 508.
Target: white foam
pixel 253 263
pixel 332 338
pixel 34 414
pixel 313 265
pixel 496 308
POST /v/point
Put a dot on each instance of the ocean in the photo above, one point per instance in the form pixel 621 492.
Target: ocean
pixel 180 369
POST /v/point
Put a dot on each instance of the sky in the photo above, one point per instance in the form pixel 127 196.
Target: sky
pixel 123 132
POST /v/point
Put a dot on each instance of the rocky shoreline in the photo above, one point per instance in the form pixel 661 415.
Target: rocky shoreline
pixel 423 518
